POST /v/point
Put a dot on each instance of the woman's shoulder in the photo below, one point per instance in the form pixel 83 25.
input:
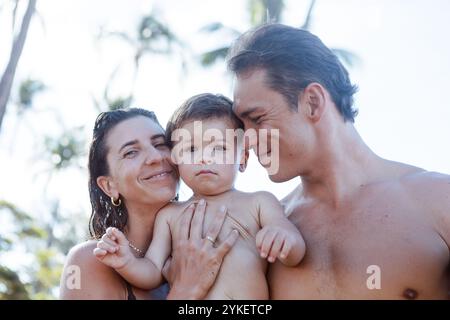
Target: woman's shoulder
pixel 82 254
pixel 85 277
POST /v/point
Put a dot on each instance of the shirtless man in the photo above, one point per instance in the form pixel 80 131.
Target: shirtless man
pixel 358 213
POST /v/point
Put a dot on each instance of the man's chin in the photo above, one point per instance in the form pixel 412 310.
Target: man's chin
pixel 279 177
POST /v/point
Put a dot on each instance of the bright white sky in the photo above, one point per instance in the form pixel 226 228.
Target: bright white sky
pixel 403 76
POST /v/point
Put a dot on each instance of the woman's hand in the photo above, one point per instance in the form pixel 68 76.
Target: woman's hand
pixel 196 261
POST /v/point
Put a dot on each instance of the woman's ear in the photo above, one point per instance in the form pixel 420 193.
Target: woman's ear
pixel 244 160
pixel 313 97
pixel 108 186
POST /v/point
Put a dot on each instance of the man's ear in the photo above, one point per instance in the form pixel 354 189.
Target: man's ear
pixel 108 186
pixel 244 160
pixel 313 97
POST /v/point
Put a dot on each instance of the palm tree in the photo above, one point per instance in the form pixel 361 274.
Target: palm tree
pixel 151 37
pixel 262 11
pixel 17 47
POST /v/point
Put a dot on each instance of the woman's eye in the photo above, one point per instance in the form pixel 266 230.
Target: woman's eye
pixel 130 153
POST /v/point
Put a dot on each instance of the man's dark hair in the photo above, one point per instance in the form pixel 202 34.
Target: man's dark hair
pixel 201 107
pixel 293 58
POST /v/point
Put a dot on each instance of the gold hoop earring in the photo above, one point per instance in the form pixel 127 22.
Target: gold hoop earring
pixel 114 203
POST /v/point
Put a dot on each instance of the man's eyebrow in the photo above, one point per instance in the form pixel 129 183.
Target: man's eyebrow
pixel 246 113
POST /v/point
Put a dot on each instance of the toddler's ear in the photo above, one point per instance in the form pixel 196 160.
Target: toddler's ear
pixel 244 159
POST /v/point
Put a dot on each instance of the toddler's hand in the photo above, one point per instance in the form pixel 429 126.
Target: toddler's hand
pixel 113 249
pixel 274 242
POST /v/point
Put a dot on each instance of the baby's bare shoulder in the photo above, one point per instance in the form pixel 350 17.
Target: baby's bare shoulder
pixel 257 202
pixel 257 196
pixel 172 210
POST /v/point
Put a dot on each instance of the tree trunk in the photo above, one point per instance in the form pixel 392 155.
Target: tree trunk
pixel 307 24
pixel 274 8
pixel 8 77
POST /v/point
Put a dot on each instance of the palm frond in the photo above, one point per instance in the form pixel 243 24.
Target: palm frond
pixel 347 57
pixel 210 57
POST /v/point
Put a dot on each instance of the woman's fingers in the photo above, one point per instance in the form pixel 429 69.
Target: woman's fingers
pixel 166 270
pixel 185 223
pixel 196 231
pixel 229 242
pixel 216 225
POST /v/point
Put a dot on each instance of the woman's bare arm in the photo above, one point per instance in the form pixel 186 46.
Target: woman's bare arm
pixel 86 278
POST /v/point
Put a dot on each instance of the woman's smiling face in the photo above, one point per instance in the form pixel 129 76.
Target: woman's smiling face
pixel 140 169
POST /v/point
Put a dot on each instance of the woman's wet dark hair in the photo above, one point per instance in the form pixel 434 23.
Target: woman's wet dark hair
pixel 104 214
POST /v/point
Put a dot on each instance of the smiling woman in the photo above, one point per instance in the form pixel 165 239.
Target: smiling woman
pixel 123 142
pixel 131 177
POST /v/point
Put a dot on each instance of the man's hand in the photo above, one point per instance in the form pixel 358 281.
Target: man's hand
pixel 113 249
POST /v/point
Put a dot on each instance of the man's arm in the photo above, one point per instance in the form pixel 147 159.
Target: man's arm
pixel 278 238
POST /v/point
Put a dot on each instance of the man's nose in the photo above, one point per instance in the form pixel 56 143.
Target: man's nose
pixel 251 139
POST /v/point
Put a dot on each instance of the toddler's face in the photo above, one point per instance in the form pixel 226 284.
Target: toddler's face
pixel 208 155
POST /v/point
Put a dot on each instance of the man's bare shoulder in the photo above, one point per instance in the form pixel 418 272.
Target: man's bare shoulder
pixel 427 183
pixel 430 188
pixel 430 191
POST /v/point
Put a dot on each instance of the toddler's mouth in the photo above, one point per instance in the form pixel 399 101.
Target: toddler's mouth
pixel 205 172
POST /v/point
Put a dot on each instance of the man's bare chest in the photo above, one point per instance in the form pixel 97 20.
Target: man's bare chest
pixel 373 248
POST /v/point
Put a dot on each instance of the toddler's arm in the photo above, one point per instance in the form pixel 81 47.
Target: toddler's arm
pixel 278 237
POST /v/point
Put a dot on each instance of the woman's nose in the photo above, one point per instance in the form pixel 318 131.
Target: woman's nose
pixel 154 156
